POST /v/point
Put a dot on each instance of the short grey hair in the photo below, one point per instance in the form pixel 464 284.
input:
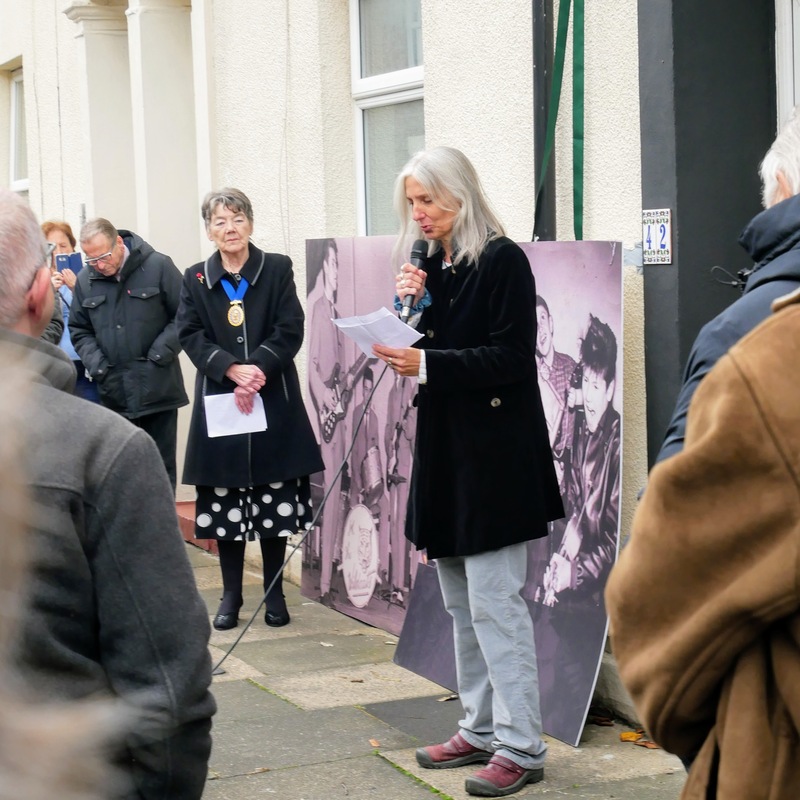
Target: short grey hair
pixel 233 199
pixel 97 226
pixel 23 251
pixel 783 157
pixel 448 176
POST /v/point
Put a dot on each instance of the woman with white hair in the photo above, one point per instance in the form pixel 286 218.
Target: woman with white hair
pixel 483 482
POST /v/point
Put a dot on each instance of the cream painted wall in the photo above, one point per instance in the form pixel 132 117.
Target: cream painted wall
pixel 283 120
pixel 14 33
pixel 283 117
pixel 612 196
pixel 478 96
pixel 321 166
pixel 61 136
pixel 250 71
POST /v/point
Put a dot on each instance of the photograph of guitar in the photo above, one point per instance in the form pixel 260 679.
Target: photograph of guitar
pixel 334 405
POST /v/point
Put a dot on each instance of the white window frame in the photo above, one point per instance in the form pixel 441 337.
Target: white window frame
pixel 787 57
pixel 388 88
pixel 16 184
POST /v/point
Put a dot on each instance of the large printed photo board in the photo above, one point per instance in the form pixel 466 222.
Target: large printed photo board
pixel 358 560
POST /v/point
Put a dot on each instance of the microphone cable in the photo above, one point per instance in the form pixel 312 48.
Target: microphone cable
pixel 216 669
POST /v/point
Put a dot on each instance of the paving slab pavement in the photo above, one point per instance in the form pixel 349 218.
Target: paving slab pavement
pixel 317 710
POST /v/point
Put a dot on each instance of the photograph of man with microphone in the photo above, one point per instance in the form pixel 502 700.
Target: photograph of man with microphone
pixel 483 482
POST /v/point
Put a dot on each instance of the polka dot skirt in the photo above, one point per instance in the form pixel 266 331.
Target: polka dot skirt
pixel 271 510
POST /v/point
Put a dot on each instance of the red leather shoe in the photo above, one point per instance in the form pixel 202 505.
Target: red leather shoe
pixel 455 752
pixel 500 777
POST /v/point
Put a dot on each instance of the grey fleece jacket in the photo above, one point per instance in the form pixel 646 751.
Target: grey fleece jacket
pixel 113 607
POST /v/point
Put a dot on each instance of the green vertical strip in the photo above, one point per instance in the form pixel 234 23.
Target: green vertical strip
pixel 577 117
pixel 555 97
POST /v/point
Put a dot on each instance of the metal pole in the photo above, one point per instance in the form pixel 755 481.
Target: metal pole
pixel 542 80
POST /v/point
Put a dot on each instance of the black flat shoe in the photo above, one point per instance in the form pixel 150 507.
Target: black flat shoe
pixel 224 622
pixel 277 620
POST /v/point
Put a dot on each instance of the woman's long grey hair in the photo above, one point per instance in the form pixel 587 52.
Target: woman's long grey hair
pixel 448 176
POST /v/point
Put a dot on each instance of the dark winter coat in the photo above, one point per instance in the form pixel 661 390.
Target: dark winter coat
pixel 772 238
pixel 269 338
pixel 483 475
pixel 124 331
pixel 112 606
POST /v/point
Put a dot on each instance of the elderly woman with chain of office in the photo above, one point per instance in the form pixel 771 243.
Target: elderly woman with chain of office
pixel 241 323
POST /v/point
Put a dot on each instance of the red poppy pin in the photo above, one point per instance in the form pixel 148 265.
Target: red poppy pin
pixel 200 277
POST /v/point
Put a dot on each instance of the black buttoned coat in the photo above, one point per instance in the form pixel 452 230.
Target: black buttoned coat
pixel 483 475
pixel 269 338
pixel 123 329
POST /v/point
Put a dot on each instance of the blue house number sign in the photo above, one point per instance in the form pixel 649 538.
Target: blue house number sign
pixel 657 236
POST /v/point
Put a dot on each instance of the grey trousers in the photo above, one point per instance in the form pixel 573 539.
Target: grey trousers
pixel 498 681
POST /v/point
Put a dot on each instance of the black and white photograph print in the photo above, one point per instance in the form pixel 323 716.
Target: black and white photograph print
pixel 358 561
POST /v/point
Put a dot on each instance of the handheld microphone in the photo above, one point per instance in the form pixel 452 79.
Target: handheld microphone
pixel 419 251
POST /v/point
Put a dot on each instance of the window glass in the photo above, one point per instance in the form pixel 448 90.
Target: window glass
pixel 392 134
pixel 391 35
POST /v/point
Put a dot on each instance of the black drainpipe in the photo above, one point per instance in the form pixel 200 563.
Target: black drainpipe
pixel 545 227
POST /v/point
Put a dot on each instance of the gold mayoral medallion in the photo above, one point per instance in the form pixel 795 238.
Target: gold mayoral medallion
pixel 236 313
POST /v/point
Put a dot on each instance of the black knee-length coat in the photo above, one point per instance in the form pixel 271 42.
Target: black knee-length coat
pixel 270 338
pixel 483 475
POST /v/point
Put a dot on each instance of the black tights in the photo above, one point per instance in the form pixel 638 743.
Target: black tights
pixel 231 562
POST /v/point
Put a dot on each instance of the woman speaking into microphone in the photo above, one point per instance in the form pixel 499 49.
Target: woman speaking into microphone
pixel 483 482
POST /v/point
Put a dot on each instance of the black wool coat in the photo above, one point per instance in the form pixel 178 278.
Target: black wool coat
pixel 269 338
pixel 483 475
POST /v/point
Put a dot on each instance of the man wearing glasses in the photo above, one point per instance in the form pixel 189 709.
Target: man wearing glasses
pixel 122 324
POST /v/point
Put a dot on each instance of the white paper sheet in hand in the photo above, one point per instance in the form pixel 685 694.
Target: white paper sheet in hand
pixel 224 419
pixel 379 327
